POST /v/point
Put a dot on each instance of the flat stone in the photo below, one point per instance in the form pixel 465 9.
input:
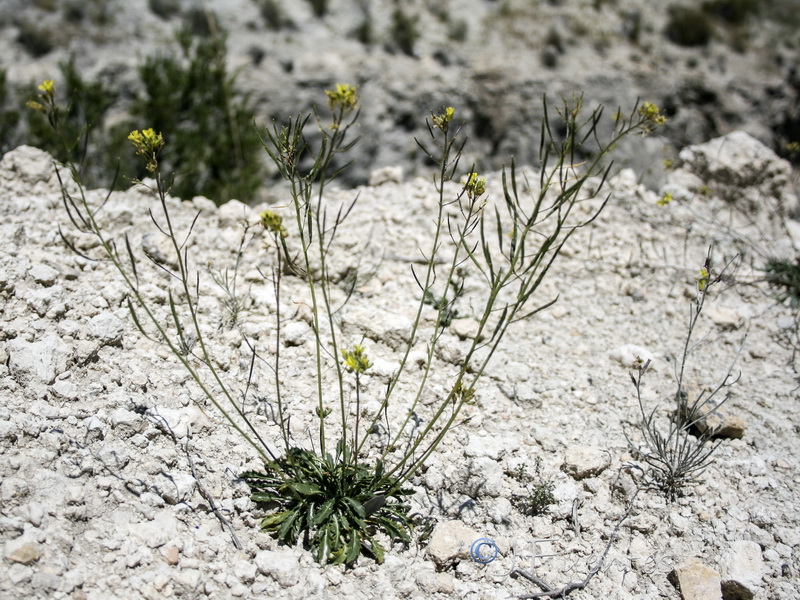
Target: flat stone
pixel 29 164
pixel 175 487
pixel 390 328
pixel 742 569
pixel 46 301
pixel 34 513
pixel 42 360
pixel 114 456
pixel 244 570
pixel 435 583
pixel 737 160
pixel 586 461
pixel 187 581
pixel 43 274
pixel 233 213
pixel 8 431
pixel 107 327
pixel 75 494
pixel 725 318
pixel 451 541
pixel 696 581
pixel 788 535
pixel 486 446
pixel 157 532
pixel 714 418
pixel 177 421
pixel 23 550
pixel 386 175
pixel 296 333
pixel 282 566
pixel 170 554
pixel 126 422
pixel 628 355
pixel 45 580
pixel 65 389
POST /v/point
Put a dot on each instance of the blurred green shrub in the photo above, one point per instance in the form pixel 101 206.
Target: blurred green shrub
pixel 688 26
pixel 273 15
pixel 404 31
pixel 88 104
pixel 319 7
pixel 35 40
pixel 734 12
pixel 165 9
pixel 215 148
pixel 9 116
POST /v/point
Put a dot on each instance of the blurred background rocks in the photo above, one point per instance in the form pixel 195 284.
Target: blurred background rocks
pixel 715 66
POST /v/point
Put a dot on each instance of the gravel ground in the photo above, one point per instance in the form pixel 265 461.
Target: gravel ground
pixel 112 462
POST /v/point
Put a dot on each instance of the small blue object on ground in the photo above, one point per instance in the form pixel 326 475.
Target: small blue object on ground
pixel 483 550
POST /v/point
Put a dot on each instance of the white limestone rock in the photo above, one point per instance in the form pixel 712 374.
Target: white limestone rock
pixel 450 542
pixel 281 565
pixel 696 581
pixel 742 569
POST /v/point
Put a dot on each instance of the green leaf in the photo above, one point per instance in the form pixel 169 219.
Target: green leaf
pixel 353 548
pixel 323 547
pixel 357 507
pixel 394 529
pixel 264 497
pixel 305 489
pixel 333 526
pixel 324 511
pixel 374 504
pixel 377 551
pixel 271 522
pixel 285 529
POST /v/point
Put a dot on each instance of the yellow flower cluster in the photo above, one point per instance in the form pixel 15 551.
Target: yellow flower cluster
pixel 475 186
pixel 47 91
pixel 273 222
pixel 48 87
pixel 651 113
pixel 148 143
pixel 344 97
pixel 355 360
pixel 702 279
pixel 442 120
pixel 665 199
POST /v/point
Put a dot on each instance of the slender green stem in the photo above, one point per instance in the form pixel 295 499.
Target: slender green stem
pixel 109 249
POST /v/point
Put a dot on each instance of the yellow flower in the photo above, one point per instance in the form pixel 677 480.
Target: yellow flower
pixel 463 393
pixel 355 360
pixel 665 199
pixel 702 279
pixel 475 186
pixel 441 121
pixel 48 87
pixel 344 97
pixel 47 95
pixel 148 143
pixel 650 113
pixel 273 222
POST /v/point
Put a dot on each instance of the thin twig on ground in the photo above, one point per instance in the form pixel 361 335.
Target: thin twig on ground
pixel 549 592
pixel 226 524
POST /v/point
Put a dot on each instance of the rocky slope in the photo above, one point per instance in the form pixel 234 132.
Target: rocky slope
pixel 112 463
pixel 493 59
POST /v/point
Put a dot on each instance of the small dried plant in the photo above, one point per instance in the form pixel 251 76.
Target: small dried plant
pixel 675 450
pixel 539 489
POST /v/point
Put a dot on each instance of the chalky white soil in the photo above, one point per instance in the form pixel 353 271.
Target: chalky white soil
pixel 111 457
